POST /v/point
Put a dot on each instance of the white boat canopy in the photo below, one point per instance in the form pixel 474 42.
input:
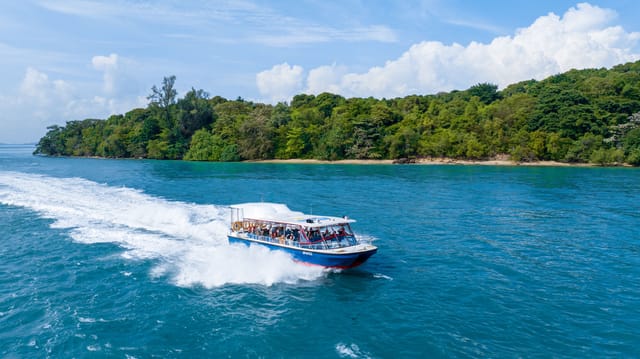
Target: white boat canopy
pixel 280 213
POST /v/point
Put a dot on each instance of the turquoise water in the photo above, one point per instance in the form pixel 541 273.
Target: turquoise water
pixel 128 258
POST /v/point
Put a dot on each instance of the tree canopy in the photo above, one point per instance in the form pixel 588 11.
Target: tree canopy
pixel 590 115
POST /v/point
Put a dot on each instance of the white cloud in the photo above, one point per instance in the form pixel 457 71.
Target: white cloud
pixel 109 65
pixel 581 38
pixel 280 82
pixel 478 25
pixel 37 90
pixel 80 8
pixel 36 105
pixel 300 33
pixel 34 84
pixel 325 79
pixel 264 25
pixel 41 101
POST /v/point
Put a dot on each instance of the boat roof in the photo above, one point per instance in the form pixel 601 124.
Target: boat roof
pixel 280 213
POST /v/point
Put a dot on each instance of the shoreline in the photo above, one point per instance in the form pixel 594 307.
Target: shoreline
pixel 433 161
pixel 417 161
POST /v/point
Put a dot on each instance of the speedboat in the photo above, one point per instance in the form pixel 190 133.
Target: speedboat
pixel 318 240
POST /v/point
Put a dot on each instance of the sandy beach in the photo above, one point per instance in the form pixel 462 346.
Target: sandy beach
pixel 432 161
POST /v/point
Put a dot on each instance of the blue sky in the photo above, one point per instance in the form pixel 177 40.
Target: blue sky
pixel 63 60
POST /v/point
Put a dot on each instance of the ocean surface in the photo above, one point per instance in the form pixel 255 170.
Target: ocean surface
pixel 129 259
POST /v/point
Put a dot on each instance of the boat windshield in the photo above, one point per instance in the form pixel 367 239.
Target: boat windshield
pixel 330 233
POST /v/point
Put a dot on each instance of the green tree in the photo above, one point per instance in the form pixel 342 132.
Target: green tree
pixel 162 100
pixel 606 157
pixel 403 143
pixel 202 147
pixel 295 143
pixel 582 148
pixel 194 112
pixel 486 92
pixel 473 148
pixel 633 157
pixel 158 149
pixel 521 150
pixel 255 135
pixel 52 143
pixel 166 95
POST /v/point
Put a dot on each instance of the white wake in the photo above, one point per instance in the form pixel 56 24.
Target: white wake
pixel 187 241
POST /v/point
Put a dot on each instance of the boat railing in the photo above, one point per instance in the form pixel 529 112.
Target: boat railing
pixel 338 242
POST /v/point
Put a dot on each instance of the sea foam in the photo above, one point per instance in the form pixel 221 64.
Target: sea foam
pixel 186 241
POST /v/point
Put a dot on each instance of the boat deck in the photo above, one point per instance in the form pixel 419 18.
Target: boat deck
pixel 344 245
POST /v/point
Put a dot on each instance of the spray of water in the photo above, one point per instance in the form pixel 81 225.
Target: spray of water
pixel 187 241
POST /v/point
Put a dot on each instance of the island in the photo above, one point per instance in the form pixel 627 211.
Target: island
pixel 589 116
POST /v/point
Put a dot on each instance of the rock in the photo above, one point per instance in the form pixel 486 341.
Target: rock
pixel 404 161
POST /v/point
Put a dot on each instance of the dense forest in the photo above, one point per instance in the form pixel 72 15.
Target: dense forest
pixel 578 116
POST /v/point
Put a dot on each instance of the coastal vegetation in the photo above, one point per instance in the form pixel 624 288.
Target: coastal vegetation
pixel 580 116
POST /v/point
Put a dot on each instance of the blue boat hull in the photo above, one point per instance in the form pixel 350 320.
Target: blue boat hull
pixel 330 260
